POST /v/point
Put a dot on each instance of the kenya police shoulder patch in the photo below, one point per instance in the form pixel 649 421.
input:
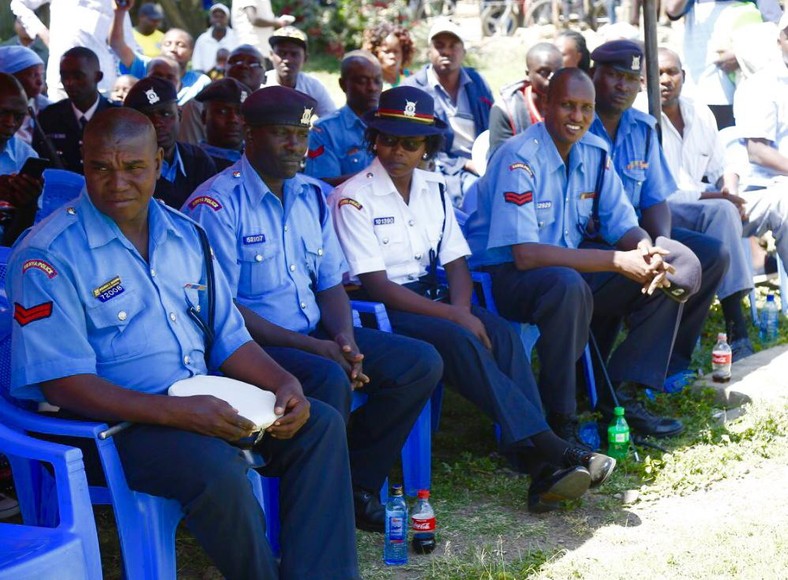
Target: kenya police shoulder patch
pixel 36 264
pixel 524 166
pixel 518 198
pixel 349 201
pixel 205 200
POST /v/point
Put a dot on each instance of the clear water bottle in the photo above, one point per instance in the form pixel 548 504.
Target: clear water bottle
pixel 423 524
pixel 721 358
pixel 768 330
pixel 618 435
pixel 395 546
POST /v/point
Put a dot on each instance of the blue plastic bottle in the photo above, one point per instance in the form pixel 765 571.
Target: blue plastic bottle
pixel 395 547
pixel 768 330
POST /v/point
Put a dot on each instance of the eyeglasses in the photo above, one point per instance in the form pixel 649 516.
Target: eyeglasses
pixel 252 64
pixel 411 144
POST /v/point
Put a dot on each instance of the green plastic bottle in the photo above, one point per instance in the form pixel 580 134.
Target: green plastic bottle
pixel 618 435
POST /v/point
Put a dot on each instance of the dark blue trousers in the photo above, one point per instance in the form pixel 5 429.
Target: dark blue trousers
pixel 714 261
pixel 403 373
pixel 207 476
pixel 500 382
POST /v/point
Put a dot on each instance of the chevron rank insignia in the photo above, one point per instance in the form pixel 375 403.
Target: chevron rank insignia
pixel 518 198
pixel 25 316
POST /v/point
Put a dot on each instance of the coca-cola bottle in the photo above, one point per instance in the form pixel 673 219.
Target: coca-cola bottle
pixel 423 524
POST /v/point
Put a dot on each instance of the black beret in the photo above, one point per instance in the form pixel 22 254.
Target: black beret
pixel 686 280
pixel 623 55
pixel 278 105
pixel 150 92
pixel 227 89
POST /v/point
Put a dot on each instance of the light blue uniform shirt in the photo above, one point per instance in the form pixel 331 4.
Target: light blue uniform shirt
pixel 528 196
pixel 638 159
pixel 14 155
pixel 86 302
pixel 276 257
pixel 337 146
pixel 169 171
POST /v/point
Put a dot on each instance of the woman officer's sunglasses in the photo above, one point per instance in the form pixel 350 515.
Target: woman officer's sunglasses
pixel 408 143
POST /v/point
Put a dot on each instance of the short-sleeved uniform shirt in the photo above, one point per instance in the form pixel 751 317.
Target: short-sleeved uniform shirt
pixel 85 302
pixel 14 155
pixel 638 159
pixel 380 232
pixel 337 146
pixel 761 111
pixel 276 256
pixel 528 195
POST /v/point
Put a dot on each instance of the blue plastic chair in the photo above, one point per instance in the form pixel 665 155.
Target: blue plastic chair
pixel 146 524
pixel 67 551
pixel 60 187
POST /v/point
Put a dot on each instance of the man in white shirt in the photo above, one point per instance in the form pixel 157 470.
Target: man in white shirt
pixel 761 111
pixel 219 35
pixel 254 21
pixel 695 155
pixel 289 53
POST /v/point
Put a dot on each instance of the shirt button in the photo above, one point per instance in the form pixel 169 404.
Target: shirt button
pixel 173 317
pixel 258 258
pixel 411 277
pixel 186 360
pixel 385 240
pixel 417 256
pixel 71 211
pixel 320 251
pixel 292 267
pixel 122 315
pixel 286 228
pixel 303 305
pixel 153 272
pixel 411 222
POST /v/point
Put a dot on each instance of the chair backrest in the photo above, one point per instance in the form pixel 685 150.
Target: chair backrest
pixel 60 187
pixel 481 146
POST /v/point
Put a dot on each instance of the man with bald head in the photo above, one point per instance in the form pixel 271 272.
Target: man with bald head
pixel 337 149
pixel 545 192
pixel 114 277
pixel 520 104
pixel 18 192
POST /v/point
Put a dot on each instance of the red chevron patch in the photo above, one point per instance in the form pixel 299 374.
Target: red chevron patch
pixel 312 153
pixel 25 316
pixel 518 198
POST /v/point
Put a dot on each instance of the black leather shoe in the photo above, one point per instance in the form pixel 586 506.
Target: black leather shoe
pixel 641 420
pixel 599 466
pixel 566 427
pixel 547 491
pixel 370 513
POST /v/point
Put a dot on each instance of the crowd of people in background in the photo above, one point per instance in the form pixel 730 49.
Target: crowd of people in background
pixel 587 220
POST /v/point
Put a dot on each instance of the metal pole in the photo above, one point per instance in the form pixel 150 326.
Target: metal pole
pixel 652 64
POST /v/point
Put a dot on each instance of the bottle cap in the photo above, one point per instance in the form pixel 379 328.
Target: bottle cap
pixel 424 494
pixel 618 411
pixel 722 337
pixel 770 298
pixel 396 489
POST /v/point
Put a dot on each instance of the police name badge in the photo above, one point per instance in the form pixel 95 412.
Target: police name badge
pixel 108 290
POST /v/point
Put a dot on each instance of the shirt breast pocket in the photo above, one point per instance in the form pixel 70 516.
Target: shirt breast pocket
pixel 259 269
pixel 545 214
pixel 313 256
pixel 390 235
pixel 633 179
pixel 120 329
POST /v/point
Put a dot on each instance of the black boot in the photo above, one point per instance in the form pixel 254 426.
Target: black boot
pixel 370 513
pixel 641 420
pixel 566 427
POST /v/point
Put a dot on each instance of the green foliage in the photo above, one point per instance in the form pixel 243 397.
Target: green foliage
pixel 339 27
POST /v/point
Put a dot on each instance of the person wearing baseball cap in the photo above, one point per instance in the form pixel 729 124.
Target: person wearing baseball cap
pixel 640 163
pixel 289 53
pixel 221 115
pixel 184 166
pixel 274 240
pixel 146 32
pixel 219 35
pixel 463 100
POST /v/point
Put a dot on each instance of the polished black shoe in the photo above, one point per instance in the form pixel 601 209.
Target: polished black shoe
pixel 599 466
pixel 547 491
pixel 641 420
pixel 370 513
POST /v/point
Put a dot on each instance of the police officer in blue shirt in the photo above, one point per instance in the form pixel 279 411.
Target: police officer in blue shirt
pixel 221 116
pixel 102 293
pixel 275 242
pixel 336 142
pixel 535 207
pixel 639 161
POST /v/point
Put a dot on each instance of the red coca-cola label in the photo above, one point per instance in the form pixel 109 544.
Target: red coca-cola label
pixel 721 358
pixel 424 525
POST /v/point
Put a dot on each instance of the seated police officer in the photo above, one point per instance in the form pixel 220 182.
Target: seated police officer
pixel 102 291
pixel 275 242
pixel 221 115
pixel 184 166
pixel 535 207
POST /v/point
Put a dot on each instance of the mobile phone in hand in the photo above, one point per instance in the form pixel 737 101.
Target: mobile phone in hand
pixel 35 166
